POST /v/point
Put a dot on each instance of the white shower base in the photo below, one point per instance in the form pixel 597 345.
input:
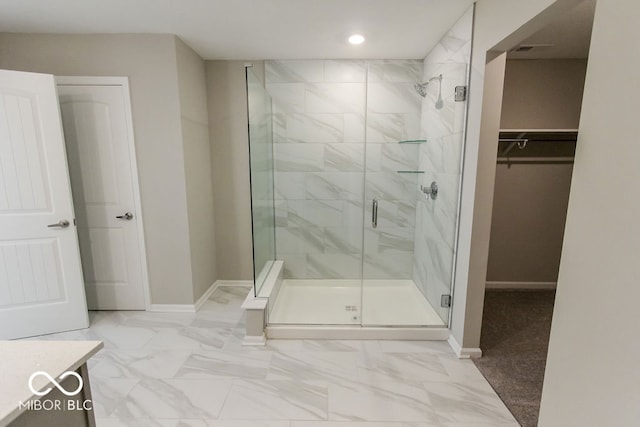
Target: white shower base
pixel 352 302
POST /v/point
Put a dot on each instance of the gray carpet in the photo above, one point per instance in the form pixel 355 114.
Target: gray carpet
pixel 514 342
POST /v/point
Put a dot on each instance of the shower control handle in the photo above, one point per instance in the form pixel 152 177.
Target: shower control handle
pixel 374 214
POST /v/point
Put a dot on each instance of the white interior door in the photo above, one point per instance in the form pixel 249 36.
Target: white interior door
pixel 41 287
pixel 96 120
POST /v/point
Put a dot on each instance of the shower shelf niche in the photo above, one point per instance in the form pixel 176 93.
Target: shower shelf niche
pixel 410 171
pixel 413 141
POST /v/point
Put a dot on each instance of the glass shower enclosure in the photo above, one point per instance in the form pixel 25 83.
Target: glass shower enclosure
pixel 355 176
pixel 259 112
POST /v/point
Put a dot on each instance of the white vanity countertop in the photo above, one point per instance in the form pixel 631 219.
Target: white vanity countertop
pixel 20 359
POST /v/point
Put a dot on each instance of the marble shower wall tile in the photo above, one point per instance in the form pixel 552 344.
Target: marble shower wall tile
pixel 294 71
pixel 342 240
pixel 450 118
pixel 442 155
pixel 320 133
pixel 299 157
pixel 334 185
pixel 394 266
pixel 391 128
pixel 315 128
pixel 344 157
pixel 345 71
pixel 440 158
pixel 287 98
pixel 334 266
pixel 392 98
pixel 395 70
pixel 335 98
pixel 455 45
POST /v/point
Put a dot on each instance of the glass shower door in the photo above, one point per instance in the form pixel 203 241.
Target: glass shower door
pixel 414 145
pixel 319 127
pixel 259 110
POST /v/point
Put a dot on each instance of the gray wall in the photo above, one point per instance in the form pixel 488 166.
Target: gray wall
pixel 197 165
pixel 527 224
pixel 149 61
pixel 592 376
pixel 543 93
pixel 530 200
pixel 227 103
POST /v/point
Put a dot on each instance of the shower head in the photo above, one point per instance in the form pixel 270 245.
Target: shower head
pixel 421 88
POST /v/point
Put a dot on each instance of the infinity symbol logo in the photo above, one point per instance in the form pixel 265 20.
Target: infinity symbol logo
pixel 55 383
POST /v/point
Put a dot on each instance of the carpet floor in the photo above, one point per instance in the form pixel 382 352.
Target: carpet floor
pixel 514 343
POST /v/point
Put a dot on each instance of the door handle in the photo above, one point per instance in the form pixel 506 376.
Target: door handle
pixel 128 216
pixel 63 223
pixel 374 214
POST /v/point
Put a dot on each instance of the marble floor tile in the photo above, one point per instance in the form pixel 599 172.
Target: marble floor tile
pixel 461 370
pixel 275 400
pixel 445 424
pixel 439 347
pixel 340 345
pixel 154 320
pixel 401 367
pixel 139 363
pixel 108 393
pixel 247 423
pixel 190 338
pixel 149 422
pixel 221 364
pixel 344 424
pixel 379 401
pixel 216 319
pixel 313 367
pixel 174 398
pixel 191 370
pixel 226 298
pixel 467 402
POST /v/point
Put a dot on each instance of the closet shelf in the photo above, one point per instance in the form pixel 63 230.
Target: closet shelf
pixel 536 145
pixel 555 135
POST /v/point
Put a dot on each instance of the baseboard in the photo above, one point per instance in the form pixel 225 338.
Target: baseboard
pixel 192 308
pixel 172 308
pixel 234 282
pixel 464 353
pixel 254 341
pixel 520 285
pixel 206 295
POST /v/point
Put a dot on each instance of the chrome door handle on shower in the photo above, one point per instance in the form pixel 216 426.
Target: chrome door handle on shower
pixel 374 214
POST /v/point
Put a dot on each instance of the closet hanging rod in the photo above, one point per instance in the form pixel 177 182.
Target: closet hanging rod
pixel 513 140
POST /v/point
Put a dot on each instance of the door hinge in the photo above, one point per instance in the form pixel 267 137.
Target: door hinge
pixel 445 301
pixel 460 93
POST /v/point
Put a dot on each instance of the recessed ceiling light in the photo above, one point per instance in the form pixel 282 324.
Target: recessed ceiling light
pixel 356 39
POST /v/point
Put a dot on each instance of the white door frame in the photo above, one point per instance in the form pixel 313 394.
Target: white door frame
pixel 124 83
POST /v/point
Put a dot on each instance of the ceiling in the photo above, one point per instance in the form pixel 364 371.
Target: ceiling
pixel 252 29
pixel 569 35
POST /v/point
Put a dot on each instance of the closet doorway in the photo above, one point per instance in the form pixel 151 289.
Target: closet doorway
pixel 542 95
